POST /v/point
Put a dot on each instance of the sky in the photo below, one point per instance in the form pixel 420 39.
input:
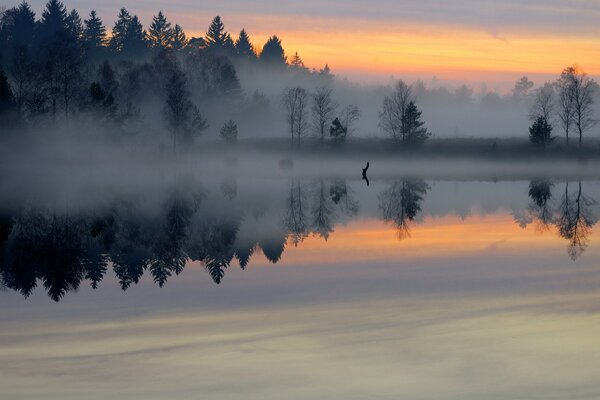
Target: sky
pixel 495 41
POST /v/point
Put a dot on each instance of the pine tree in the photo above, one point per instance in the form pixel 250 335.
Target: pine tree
pixel 160 32
pixel 178 38
pixel 540 132
pixel 216 35
pixel 243 47
pixel 119 30
pixel 296 63
pixel 75 26
pixel 273 53
pixel 411 120
pixel 94 31
pixel 54 20
pixel 19 26
pixel 135 40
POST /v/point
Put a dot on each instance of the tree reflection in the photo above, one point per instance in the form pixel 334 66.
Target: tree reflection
pixel 575 220
pixel 401 202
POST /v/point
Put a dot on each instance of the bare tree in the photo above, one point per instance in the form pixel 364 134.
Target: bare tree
pixel 349 116
pixel 543 103
pixel 576 100
pixel 294 100
pixel 323 108
pixel 583 100
pixel 391 118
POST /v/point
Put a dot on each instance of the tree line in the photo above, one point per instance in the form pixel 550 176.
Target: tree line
pixel 63 67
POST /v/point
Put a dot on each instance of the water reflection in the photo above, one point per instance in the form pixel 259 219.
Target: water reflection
pixel 61 247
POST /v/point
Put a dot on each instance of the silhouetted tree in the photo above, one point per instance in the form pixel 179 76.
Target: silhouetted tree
pixel 297 65
pixel 182 115
pixel 217 39
pixel 566 104
pixel 540 132
pixel 18 28
pixel 391 118
pixel 581 90
pixel 178 38
pixel 7 99
pixel 337 131
pixel 415 133
pixel 94 34
pixel 522 88
pixel 349 117
pixel 128 36
pixel 243 46
pixel 229 132
pixel 160 34
pixel 294 101
pixel 543 103
pixel 323 108
pixel 273 54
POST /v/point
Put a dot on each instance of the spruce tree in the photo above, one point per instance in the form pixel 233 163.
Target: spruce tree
pixel 54 20
pixel 415 133
pixel 160 32
pixel 273 53
pixel 243 47
pixel 216 35
pixel 119 30
pixel 94 32
pixel 178 38
pixel 75 26
pixel 540 132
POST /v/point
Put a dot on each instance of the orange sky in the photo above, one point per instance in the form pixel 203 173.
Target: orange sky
pixel 432 238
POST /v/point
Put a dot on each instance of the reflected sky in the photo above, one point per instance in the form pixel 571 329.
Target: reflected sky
pixel 408 288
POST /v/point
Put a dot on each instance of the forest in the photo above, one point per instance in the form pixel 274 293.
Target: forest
pixel 72 76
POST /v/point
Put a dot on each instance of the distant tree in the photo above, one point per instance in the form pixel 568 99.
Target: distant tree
pixel 522 88
pixel 128 35
pixel 7 100
pixel 566 103
pixel 543 103
pixel 94 35
pixel 296 64
pixel 391 118
pixel 182 115
pixel 323 108
pixel 75 26
pixel 415 133
pixel 349 116
pixel 294 101
pixel 243 46
pixel 100 104
pixel 160 34
pixel 295 219
pixel 216 37
pixel 272 53
pixel 540 132
pixel 229 132
pixel 53 22
pixel 337 131
pixel 18 28
pixel 23 76
pixel 581 89
pixel 325 74
pixel 119 31
pixel 107 78
pixel 178 38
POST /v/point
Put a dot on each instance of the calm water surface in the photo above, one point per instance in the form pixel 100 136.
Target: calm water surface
pixel 302 287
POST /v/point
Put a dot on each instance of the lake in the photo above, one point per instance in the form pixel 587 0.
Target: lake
pixel 303 283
